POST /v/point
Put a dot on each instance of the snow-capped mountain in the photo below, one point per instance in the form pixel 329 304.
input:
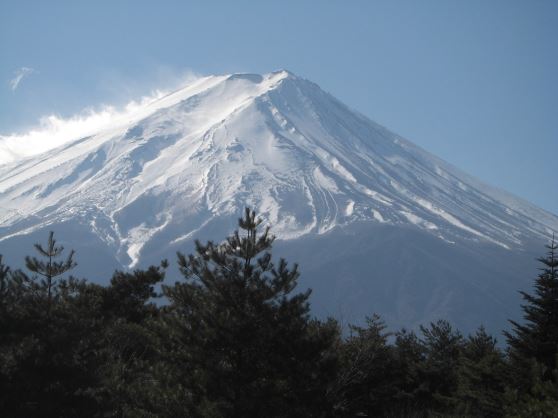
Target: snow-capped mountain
pixel 185 165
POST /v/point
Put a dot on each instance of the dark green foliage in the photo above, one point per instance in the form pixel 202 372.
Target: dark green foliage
pixel 5 284
pixel 540 399
pixel 62 342
pixel 366 383
pixel 46 355
pixel 49 268
pixel 534 344
pixel 537 338
pixel 234 339
pixel 129 343
pixel 481 377
pixel 414 395
pixel 245 344
pixel 4 272
pixel 443 346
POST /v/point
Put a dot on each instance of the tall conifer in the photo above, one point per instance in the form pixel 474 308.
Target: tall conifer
pixel 244 342
pixel 537 338
pixel 50 268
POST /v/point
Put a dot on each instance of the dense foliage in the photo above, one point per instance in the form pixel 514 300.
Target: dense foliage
pixel 233 338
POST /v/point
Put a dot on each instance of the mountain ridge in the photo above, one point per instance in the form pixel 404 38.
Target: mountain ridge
pixel 187 163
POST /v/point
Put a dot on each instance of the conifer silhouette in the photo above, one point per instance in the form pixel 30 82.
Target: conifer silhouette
pixel 49 269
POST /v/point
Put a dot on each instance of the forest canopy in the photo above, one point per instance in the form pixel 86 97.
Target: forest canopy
pixel 235 337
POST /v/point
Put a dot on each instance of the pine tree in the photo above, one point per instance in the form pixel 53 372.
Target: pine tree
pixel 367 380
pixel 414 395
pixel 482 377
pixel 44 349
pixel 4 284
pixel 537 338
pixel 443 347
pixel 540 399
pixel 50 268
pixel 244 343
pixel 91 356
pixel 129 342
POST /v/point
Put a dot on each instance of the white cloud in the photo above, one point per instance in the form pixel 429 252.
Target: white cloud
pixel 54 131
pixel 20 74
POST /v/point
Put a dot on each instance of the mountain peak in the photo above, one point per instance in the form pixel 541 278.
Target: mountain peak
pixel 298 156
pixel 376 222
pixel 270 79
pixel 254 78
pixel 284 73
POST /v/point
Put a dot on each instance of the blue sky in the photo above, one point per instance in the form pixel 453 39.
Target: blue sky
pixel 474 82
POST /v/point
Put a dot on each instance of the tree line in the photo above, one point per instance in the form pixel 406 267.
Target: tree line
pixel 235 338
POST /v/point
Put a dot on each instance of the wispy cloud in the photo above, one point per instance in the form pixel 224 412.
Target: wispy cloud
pixel 54 130
pixel 20 74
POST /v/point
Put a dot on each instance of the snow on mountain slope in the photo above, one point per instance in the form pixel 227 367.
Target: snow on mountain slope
pixel 277 143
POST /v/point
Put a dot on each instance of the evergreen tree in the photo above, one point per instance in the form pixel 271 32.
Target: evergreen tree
pixel 70 348
pixel 129 352
pixel 46 346
pixel 243 343
pixel 414 395
pixel 4 271
pixel 367 380
pixel 537 338
pixel 4 289
pixel 49 268
pixel 482 377
pixel 443 347
pixel 539 399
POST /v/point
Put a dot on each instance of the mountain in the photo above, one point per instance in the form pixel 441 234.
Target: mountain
pixel 378 224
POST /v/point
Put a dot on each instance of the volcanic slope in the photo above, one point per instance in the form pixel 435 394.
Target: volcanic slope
pixel 409 235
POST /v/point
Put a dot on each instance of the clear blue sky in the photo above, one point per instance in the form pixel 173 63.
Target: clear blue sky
pixel 474 82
